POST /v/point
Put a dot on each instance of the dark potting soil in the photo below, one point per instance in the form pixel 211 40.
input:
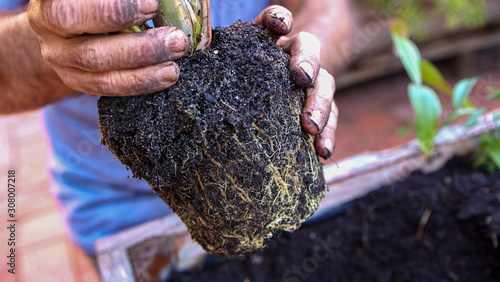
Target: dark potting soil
pixel 378 237
pixel 223 147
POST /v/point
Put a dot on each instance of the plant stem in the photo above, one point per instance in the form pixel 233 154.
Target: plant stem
pixel 191 16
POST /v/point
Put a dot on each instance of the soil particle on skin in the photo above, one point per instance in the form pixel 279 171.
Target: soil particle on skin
pixel 378 237
pixel 223 147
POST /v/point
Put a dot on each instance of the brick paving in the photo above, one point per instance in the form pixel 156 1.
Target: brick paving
pixel 373 116
pixel 43 250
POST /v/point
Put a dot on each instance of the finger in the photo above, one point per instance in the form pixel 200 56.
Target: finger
pixel 277 19
pixel 325 142
pixel 304 49
pixel 67 18
pixel 122 82
pixel 119 51
pixel 318 103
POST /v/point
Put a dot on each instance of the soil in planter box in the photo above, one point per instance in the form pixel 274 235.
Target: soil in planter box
pixel 223 147
pixel 378 238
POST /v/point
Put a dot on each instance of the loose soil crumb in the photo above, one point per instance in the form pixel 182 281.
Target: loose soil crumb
pixel 378 237
pixel 223 147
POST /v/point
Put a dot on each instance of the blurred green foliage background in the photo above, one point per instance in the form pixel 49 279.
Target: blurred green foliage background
pixel 456 13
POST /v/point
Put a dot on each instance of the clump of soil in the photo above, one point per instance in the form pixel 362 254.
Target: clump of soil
pixel 223 147
pixel 384 236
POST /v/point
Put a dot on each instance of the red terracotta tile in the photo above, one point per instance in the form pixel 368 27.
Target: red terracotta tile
pixel 90 276
pixel 42 229
pixel 38 200
pixel 31 159
pixel 26 125
pixel 81 265
pixel 50 263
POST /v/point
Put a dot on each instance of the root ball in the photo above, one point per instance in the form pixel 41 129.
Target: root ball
pixel 223 147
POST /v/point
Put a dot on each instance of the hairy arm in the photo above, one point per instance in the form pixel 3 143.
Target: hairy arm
pixel 26 80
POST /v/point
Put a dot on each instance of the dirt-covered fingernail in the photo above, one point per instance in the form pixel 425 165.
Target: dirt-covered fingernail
pixel 169 73
pixel 278 20
pixel 279 23
pixel 177 41
pixel 328 144
pixel 325 153
pixel 315 117
pixel 287 20
pixel 327 150
pixel 303 74
pixel 308 69
pixel 147 6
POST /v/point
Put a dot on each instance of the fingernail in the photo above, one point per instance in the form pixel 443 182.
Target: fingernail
pixel 315 117
pixel 283 16
pixel 168 74
pixel 278 23
pixel 329 144
pixel 325 153
pixel 327 149
pixel 308 69
pixel 177 41
pixel 287 20
pixel 147 6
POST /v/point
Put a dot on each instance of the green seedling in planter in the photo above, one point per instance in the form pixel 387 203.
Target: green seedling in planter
pixel 425 79
pixel 423 99
pixel 494 92
pixel 488 153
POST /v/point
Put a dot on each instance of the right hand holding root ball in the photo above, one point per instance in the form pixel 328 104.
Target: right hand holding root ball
pixel 319 113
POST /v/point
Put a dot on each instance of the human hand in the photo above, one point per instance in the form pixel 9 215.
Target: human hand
pixel 72 40
pixel 319 112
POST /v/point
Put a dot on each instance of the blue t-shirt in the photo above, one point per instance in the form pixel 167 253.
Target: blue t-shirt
pixel 12 5
pixel 97 193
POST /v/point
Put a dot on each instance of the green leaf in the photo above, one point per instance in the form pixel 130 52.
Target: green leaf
pixel 468 104
pixel 461 91
pixel 474 117
pixel 488 153
pixel 459 113
pixel 494 92
pixel 409 55
pixel 493 149
pixel 433 77
pixel 428 109
pixel 464 111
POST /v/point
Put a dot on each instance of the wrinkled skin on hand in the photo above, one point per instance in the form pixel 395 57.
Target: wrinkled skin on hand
pixel 319 113
pixel 72 40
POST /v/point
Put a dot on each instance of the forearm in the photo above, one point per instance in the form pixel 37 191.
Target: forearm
pixel 331 22
pixel 26 80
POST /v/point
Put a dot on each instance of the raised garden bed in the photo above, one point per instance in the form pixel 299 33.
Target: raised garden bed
pixel 429 227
